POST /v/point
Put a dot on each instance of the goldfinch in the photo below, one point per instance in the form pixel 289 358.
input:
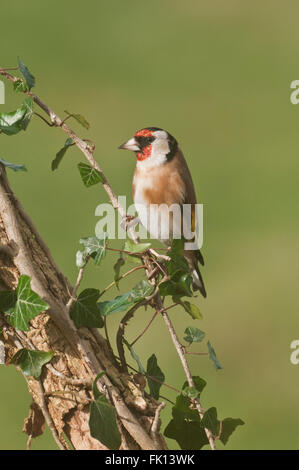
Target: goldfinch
pixel 162 180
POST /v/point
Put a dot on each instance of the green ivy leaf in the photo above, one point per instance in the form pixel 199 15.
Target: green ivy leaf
pixel 192 309
pixel 179 285
pixel 28 107
pixel 213 357
pixel 190 392
pixel 95 247
pixel 180 281
pixel 16 121
pixel 154 371
pixel 135 247
pixel 102 422
pixel 134 356
pixel 182 411
pixel 13 166
pixel 185 427
pixel 79 118
pixel 85 311
pixel 119 304
pixel 117 267
pixel 188 434
pixel 194 335
pixel 124 301
pixel 199 384
pixel 30 80
pixel 31 362
pixel 141 290
pixel 178 262
pixel 27 305
pixel 7 300
pixel 20 86
pixel 210 421
pixel 89 175
pixel 60 154
pixel 228 427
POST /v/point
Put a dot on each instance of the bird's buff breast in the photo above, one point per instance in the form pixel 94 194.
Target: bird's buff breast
pixel 151 203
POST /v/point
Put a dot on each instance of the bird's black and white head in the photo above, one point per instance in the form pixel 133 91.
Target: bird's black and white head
pixel 153 146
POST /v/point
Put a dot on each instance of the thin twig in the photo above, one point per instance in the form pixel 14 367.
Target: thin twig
pixel 28 443
pixel 145 329
pixel 47 416
pixel 153 252
pixel 155 425
pixel 167 399
pixel 121 331
pixel 9 68
pixel 77 284
pixel 50 124
pixel 136 268
pixel 66 118
pixel 220 431
pixel 160 268
pixel 149 324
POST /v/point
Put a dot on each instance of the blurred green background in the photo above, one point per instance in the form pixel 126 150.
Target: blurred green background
pixel 216 75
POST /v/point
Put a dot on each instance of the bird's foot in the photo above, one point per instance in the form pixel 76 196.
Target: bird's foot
pixel 157 255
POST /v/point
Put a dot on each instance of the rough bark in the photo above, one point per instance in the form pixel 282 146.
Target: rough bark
pixel 64 390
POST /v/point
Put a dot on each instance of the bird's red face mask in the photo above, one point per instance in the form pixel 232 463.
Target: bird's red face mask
pixel 141 143
pixel 144 138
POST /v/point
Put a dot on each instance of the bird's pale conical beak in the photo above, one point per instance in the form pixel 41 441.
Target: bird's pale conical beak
pixel 130 145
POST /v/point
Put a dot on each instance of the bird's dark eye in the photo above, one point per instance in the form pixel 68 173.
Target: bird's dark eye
pixel 144 141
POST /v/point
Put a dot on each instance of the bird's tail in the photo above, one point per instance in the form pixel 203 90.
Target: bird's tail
pixel 198 283
pixel 193 260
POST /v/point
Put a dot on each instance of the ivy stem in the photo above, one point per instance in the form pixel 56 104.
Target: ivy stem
pixel 50 124
pixel 149 324
pixel 145 329
pixel 73 295
pixel 9 68
pixel 122 277
pixel 121 331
